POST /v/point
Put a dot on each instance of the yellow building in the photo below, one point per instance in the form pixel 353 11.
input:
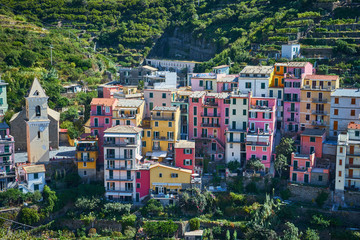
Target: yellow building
pixel 161 132
pixel 86 157
pixel 129 112
pixel 277 79
pixel 315 95
pixel 168 180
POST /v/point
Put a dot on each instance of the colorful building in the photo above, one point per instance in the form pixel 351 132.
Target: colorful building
pixel 142 182
pixel 101 119
pixel 7 161
pixel 301 167
pixel 227 83
pixel 122 149
pixel 293 78
pixel 261 131
pixel 347 175
pixel 311 141
pixel 87 153
pixel 130 112
pixel 3 98
pixel 31 178
pixel 182 101
pixel 204 81
pixel 315 98
pixel 158 98
pixel 185 154
pixel 345 108
pixel 256 79
pixel 237 129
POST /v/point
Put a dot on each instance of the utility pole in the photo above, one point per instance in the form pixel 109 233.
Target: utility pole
pixel 51 47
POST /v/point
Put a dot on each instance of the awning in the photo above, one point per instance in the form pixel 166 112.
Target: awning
pixel 158 154
pixel 166 184
pixel 82 141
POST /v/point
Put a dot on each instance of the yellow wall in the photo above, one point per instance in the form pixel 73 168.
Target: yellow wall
pixel 279 75
pixel 134 122
pixel 184 176
pixel 89 165
pixel 132 90
pixel 148 141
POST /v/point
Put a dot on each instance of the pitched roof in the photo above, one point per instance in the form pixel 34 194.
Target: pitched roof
pixel 103 101
pixel 161 108
pixel 322 77
pixel 123 129
pixel 54 114
pixel 258 69
pixel 313 132
pixel 36 90
pixel 129 103
pixel 173 168
pixel 221 66
pixel 34 168
pixel 185 144
pixel 197 94
pixel 353 126
pixel 150 68
pixel 346 92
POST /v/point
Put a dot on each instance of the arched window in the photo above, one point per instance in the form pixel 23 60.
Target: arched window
pixel 38 111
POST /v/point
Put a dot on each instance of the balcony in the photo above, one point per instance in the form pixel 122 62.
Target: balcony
pixel 300 169
pixel 319 123
pixel 85 160
pixel 319 100
pixel 119 144
pixel 119 168
pixel 85 149
pixel 114 157
pixel 184 110
pixel 94 113
pixel 319 112
pixel 117 190
pixel 324 88
pixel 357 177
pixel 258 107
pixel 2 153
pixel 163 138
pixel 291 100
pixel 108 178
pixel 126 116
pixel 210 115
pixel 210 104
pixel 96 126
pixel 293 110
pixel 292 120
pixel 162 118
pixel 212 125
pixel 353 165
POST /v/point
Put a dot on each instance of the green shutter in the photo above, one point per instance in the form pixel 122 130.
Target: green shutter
pixel 191 162
pixel 264 115
pixel 190 151
pixel 184 162
pixel 255 114
pixel 184 151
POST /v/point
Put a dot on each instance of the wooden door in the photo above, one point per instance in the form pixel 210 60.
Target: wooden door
pixel 351 149
pixel 351 161
pixel 351 171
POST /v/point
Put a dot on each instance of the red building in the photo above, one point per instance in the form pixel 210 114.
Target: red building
pixel 185 154
pixel 312 141
pixel 142 182
pixel 100 120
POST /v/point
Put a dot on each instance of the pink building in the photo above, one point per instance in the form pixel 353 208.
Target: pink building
pixel 294 74
pixel 142 183
pixel 158 98
pixel 185 154
pixel 101 119
pixel 261 131
pixel 301 166
pixel 107 90
pixel 227 83
pixel 7 161
pixel 208 120
pixel 312 141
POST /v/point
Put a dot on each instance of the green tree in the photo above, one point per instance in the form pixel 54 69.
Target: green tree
pixel 116 210
pixel 28 216
pixel 152 208
pixel 233 165
pixel 36 197
pixel 228 237
pixel 89 219
pixel 194 224
pixel 291 232
pixel 50 199
pixel 321 198
pixel 311 234
pixel 280 163
pixel 255 164
pixel 286 147
pixel 87 204
pixel 28 58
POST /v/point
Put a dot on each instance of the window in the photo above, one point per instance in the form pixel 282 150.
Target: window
pixel 187 162
pixel 138 185
pixel 39 134
pixel 96 132
pixel 231 145
pixel 277 68
pixel 307 117
pixel 195 100
pixel 156 124
pixel 352 113
pixel 151 106
pixel 253 156
pixel 36 187
pixel 336 111
pixel 253 148
pixel 160 175
pixel 117 122
pixel 320 178
pixel 201 83
pixel 151 95
pixel 339 173
pixel 38 111
pixel 187 151
pixel 244 112
pixel 226 112
pixel 195 132
pixel 174 175
pixel 308 106
pixel 336 100
pixel 195 110
pixel 264 157
pixel 144 143
pixel 84 164
pixel 312 139
pixel 107 109
pixel 279 94
pixel 170 124
pixel 148 133
pixel 244 101
pixel 164 95
pixel 164 104
pixel 262 85
pixel 353 101
pixel 234 101
pixel 357 133
pixel 340 162
pixel 248 85
pixel 341 150
pixel 138 175
pixel 271 93
pixel 195 121
pixel 234 111
pixel 308 94
pixel 1 101
pixel 36 175
pixel 264 149
pixel 107 120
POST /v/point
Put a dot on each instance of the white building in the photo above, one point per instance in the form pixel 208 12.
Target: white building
pixel 161 80
pixel 290 51
pixel 345 108
pixel 32 178
pixel 235 149
pixel 278 93
pixel 174 65
pixel 256 79
pixel 122 152
pixel 347 173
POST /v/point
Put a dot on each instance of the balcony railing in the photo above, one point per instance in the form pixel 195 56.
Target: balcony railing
pixel 293 110
pixel 114 157
pixel 326 88
pixel 85 149
pixel 319 100
pixel 319 112
pixel 108 178
pixel 118 144
pixel 292 120
pixel 210 103
pixel 352 165
pixel 165 118
pixel 319 123
pixel 85 160
pixel 210 115
pixel 214 125
pixel 126 116
pixel 119 167
pixel 291 100
pixel 120 190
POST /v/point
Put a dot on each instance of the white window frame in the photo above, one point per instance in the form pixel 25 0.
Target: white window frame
pixel 253 148
pixel 107 109
pixel 264 149
pixel 187 162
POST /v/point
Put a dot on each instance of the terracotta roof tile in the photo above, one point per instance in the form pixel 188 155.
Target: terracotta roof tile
pixel 322 77
pixel 354 126
pixel 103 101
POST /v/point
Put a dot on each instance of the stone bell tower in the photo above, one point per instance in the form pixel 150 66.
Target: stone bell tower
pixel 37 124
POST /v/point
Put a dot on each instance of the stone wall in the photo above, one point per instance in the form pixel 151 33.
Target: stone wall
pixel 352 199
pixel 307 193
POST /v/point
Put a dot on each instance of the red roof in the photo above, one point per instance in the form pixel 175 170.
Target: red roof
pixel 322 77
pixel 63 130
pixel 103 101
pixel 354 126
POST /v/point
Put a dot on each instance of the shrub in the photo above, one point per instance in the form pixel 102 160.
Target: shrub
pixel 92 232
pixel 311 234
pixel 28 216
pixel 251 188
pixel 87 204
pixel 321 198
pixel 194 224
pixel 128 220
pixel 285 194
pixel 320 221
pixel 116 210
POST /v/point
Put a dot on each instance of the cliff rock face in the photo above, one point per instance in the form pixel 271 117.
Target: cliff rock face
pixel 181 45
